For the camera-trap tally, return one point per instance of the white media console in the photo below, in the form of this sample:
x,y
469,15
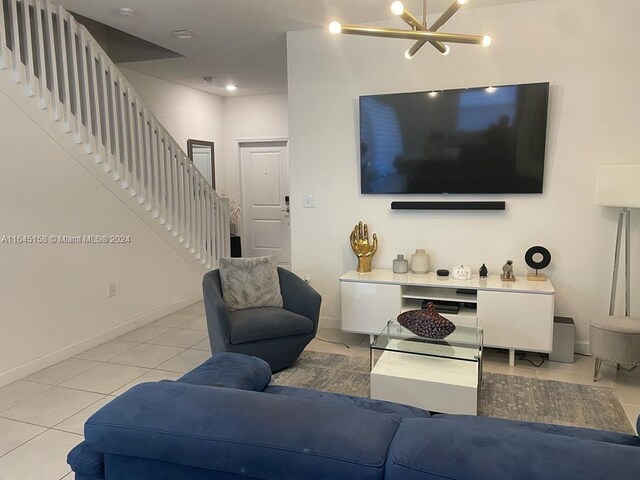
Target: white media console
x,y
514,315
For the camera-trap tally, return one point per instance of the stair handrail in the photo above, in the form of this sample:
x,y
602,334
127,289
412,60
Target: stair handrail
x,y
69,73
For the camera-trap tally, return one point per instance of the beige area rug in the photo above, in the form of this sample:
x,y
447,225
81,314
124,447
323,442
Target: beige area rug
x,y
502,396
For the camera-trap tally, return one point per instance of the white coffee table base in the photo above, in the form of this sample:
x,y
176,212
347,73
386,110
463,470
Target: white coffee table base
x,y
431,383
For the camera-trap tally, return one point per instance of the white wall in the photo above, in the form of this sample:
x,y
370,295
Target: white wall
x,y
251,117
186,113
594,119
54,297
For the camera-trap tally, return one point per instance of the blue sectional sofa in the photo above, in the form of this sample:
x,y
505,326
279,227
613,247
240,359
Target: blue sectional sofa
x,y
223,421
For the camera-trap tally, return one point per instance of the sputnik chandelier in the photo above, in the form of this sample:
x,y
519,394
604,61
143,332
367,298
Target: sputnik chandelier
x,y
420,31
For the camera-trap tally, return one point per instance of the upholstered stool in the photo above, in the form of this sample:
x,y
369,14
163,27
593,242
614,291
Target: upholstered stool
x,y
615,339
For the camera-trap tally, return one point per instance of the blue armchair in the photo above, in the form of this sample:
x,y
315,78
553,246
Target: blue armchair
x,y
277,335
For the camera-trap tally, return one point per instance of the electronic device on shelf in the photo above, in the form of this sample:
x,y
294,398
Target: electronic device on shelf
x,y
473,140
466,291
443,306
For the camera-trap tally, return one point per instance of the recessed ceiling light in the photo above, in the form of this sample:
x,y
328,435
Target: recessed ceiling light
x,y
231,87
183,34
126,12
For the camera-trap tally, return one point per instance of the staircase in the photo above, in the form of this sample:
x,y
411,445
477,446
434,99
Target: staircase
x,y
55,71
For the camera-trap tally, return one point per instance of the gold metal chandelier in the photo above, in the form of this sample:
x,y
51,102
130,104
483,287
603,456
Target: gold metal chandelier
x,y
420,31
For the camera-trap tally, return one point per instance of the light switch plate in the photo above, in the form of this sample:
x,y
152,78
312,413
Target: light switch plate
x,y
309,201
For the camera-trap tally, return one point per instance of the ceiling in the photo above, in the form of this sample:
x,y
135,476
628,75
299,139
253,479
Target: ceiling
x,y
235,41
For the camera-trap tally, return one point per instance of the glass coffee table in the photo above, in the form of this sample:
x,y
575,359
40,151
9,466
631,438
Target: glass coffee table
x,y
436,375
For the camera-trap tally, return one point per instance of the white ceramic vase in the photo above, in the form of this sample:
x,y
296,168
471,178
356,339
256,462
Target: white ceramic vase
x,y
400,265
420,261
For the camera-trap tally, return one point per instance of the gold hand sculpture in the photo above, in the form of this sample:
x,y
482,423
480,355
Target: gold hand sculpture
x,y
361,246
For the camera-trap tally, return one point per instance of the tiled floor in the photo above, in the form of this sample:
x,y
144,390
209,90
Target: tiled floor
x,y
42,416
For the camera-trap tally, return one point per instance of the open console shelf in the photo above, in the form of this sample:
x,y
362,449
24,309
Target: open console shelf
x,y
514,315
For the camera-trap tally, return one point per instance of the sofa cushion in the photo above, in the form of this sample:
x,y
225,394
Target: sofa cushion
x,y
250,282
264,323
231,370
86,462
270,437
388,408
565,431
438,448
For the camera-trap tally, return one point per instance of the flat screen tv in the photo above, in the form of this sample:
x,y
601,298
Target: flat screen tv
x,y
474,140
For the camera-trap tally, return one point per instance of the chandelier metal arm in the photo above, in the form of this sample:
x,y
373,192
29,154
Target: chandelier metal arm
x,y
417,25
425,35
444,18
420,32
446,15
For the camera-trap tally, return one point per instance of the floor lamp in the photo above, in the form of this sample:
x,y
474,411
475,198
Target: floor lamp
x,y
619,186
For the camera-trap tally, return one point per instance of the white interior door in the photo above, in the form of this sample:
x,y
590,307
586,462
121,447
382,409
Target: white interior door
x,y
265,195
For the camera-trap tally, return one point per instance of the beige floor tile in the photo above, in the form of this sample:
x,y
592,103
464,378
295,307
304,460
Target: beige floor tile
x,y
581,364
75,423
107,351
42,458
174,319
147,356
179,337
204,345
625,384
198,323
17,392
145,334
187,360
14,433
317,345
105,378
51,407
62,371
507,370
150,376
581,377
197,308
351,339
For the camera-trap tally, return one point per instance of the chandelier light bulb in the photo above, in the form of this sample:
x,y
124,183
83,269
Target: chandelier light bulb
x,y
447,50
408,55
462,2
335,28
486,41
397,8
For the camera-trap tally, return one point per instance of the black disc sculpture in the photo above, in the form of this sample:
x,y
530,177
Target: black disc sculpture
x,y
540,264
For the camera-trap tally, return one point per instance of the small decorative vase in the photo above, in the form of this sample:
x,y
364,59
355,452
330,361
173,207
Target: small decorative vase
x,y
427,323
420,261
400,265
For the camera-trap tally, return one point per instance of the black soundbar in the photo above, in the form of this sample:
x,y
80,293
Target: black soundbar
x,y
448,205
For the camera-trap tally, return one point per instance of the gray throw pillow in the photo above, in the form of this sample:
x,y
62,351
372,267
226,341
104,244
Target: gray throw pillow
x,y
250,282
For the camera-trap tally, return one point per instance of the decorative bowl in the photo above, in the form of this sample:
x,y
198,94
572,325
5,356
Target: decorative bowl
x,y
427,323
461,273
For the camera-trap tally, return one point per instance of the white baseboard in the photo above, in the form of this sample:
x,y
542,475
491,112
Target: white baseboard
x,y
71,350
583,348
331,323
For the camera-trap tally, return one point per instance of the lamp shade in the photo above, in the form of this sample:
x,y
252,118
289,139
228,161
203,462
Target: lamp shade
x,y
618,185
